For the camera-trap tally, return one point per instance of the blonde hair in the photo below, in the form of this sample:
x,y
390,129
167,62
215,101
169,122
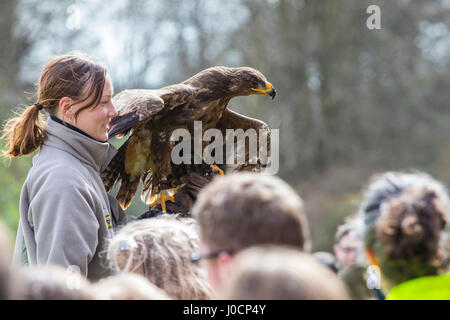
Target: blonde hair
x,y
281,273
73,75
160,248
127,286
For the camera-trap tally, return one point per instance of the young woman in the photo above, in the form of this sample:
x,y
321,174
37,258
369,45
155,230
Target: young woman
x,y
66,214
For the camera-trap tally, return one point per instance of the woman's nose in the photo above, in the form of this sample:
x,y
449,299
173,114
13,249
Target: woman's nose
x,y
113,112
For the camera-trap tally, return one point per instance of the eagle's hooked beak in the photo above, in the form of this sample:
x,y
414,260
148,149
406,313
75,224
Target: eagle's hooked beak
x,y
272,93
269,90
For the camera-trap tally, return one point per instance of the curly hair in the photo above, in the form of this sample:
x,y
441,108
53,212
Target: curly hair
x,y
405,216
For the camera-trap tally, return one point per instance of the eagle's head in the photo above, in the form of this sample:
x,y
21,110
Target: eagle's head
x,y
246,81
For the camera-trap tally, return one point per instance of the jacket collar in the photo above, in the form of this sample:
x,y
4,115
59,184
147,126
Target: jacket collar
x,y
86,149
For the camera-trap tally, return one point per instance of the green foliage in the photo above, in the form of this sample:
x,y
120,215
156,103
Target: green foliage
x,y
12,176
329,198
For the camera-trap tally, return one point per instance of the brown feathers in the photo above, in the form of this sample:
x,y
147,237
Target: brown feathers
x,y
152,115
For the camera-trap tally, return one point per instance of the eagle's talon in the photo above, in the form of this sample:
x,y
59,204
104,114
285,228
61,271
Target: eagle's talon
x,y
215,168
161,199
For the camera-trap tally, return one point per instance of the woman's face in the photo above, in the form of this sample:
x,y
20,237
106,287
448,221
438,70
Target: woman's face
x,y
95,121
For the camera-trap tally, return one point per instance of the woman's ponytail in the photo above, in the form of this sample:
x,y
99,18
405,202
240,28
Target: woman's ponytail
x,y
24,133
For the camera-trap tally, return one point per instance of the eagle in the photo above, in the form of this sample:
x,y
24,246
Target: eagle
x,y
151,116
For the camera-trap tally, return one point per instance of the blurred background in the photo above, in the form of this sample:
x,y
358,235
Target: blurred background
x,y
350,101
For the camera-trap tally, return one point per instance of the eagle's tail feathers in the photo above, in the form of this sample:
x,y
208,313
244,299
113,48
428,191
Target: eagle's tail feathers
x,y
127,191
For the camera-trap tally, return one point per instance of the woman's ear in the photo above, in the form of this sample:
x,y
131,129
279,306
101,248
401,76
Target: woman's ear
x,y
65,108
371,257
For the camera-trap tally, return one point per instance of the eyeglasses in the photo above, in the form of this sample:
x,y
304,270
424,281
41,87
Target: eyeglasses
x,y
348,249
196,257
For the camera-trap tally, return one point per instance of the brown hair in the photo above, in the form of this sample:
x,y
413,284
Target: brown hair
x,y
72,75
405,215
160,249
277,273
240,210
410,226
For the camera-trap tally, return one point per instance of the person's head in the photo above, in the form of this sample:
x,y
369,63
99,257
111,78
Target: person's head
x,y
160,249
127,286
405,215
75,89
240,210
5,262
277,273
50,282
347,243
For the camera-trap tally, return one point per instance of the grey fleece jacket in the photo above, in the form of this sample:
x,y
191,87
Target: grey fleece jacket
x,y
65,211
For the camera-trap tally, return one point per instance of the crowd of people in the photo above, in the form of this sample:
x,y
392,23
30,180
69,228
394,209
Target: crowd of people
x,y
247,236
248,239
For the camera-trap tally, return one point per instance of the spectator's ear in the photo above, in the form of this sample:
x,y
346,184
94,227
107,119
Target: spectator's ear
x,y
335,248
224,258
371,257
224,266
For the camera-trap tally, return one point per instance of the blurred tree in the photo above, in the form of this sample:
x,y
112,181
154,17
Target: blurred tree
x,y
22,25
349,93
349,96
14,47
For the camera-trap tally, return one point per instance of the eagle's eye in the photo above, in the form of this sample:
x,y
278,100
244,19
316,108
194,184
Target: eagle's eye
x,y
254,84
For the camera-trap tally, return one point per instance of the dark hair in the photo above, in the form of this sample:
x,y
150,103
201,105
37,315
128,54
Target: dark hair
x,y
409,226
404,217
72,75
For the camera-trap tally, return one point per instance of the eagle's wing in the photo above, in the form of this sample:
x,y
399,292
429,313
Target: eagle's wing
x,y
133,106
146,153
235,121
